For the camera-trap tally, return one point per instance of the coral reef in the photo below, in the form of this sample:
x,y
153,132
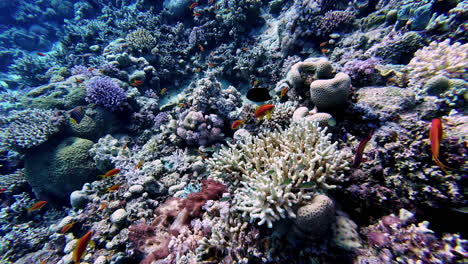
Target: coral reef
x,y
105,92
267,171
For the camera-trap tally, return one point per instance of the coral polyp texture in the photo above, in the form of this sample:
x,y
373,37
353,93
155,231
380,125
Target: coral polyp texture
x,y
268,171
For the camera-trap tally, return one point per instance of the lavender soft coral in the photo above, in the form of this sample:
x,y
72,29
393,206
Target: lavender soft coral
x,y
105,92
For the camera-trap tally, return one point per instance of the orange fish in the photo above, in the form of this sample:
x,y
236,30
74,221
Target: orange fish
x,y
255,83
124,147
435,135
237,124
264,111
201,47
283,92
210,64
103,206
67,227
110,173
196,14
193,5
81,247
2,190
137,83
78,80
202,155
113,188
91,69
41,54
163,91
139,164
323,43
245,49
325,50
182,105
37,206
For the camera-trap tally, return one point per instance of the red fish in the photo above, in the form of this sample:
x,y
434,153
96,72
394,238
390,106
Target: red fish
x,y
211,65
113,188
360,149
201,47
110,173
67,227
41,54
196,14
78,80
237,124
2,190
323,44
325,50
264,111
103,206
37,206
137,83
435,135
91,69
193,5
139,164
81,247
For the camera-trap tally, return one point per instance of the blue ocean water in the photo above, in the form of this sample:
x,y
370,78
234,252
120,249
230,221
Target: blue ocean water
x,y
223,131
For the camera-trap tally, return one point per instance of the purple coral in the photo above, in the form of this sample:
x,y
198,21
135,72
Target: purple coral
x,y
361,71
105,92
195,128
334,20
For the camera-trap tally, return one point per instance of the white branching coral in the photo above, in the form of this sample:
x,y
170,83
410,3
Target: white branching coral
x,y
269,171
443,58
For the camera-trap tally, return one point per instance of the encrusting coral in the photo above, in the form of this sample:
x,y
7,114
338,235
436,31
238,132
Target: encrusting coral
x,y
268,171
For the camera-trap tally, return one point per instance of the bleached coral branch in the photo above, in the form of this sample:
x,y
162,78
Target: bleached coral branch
x,y
269,170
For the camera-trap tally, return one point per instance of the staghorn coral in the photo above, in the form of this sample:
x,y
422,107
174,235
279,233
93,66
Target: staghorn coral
x,y
29,128
267,170
439,58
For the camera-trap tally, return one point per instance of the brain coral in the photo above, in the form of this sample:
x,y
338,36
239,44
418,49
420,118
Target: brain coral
x,y
315,216
54,171
443,58
331,94
266,171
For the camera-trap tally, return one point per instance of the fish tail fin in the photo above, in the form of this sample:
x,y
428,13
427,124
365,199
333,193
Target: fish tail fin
x,y
441,165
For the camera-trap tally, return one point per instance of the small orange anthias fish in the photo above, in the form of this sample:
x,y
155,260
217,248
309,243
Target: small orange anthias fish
x,y
237,124
137,83
435,135
113,188
41,54
110,173
196,14
78,80
283,92
264,111
325,50
37,206
103,206
210,64
193,5
67,227
139,164
81,247
2,190
163,91
323,44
